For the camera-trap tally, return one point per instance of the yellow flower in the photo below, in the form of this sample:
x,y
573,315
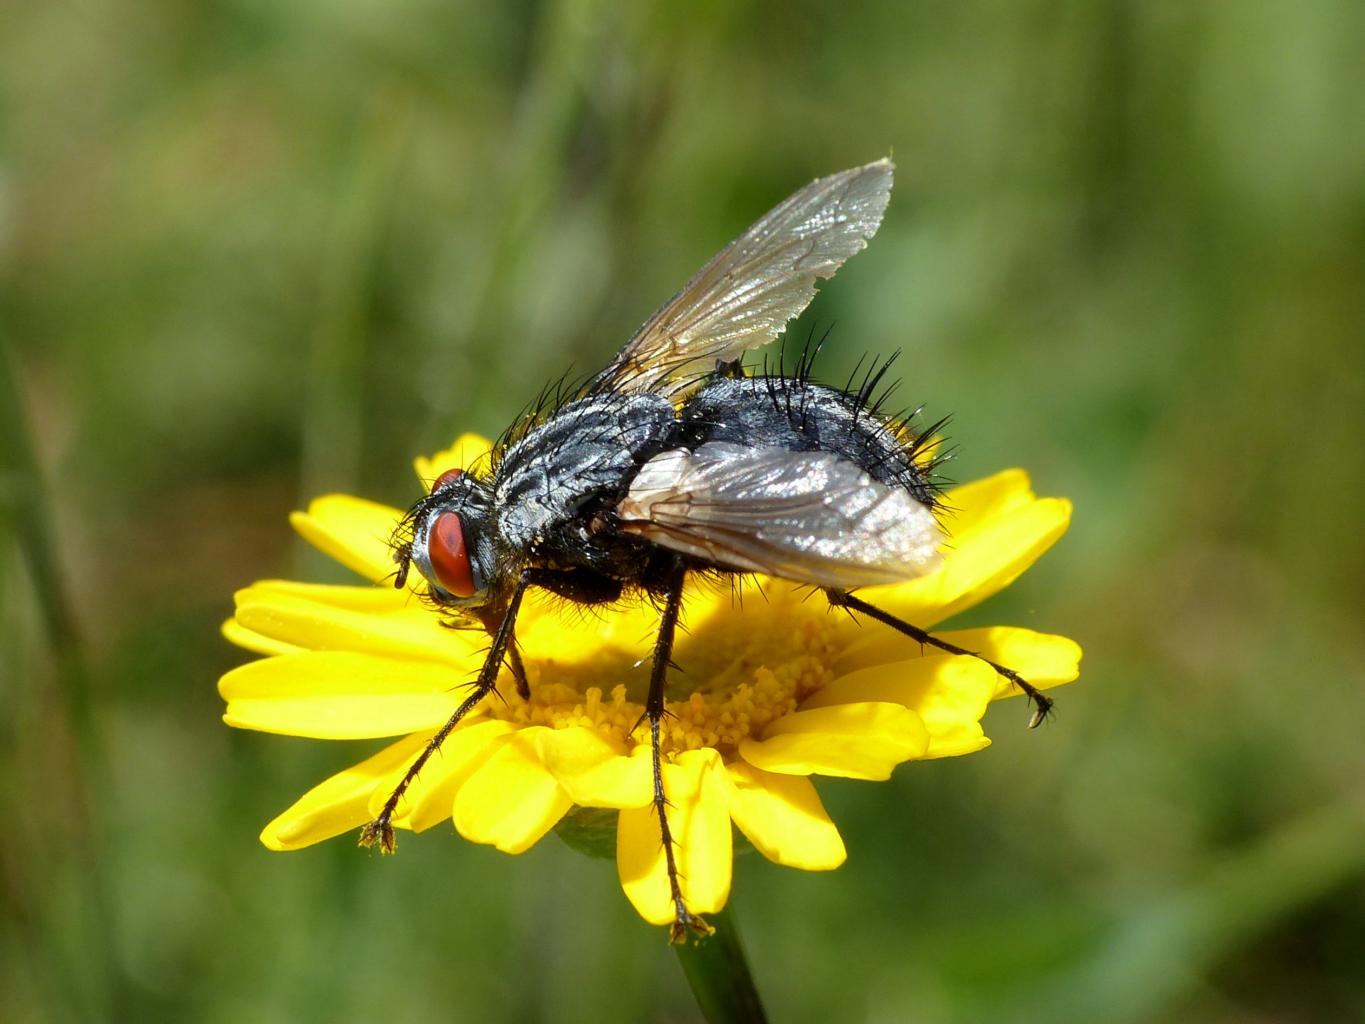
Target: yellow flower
x,y
773,688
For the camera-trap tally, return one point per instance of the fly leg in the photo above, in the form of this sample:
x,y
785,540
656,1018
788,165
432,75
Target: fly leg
x,y
1042,704
380,830
683,919
518,669
491,621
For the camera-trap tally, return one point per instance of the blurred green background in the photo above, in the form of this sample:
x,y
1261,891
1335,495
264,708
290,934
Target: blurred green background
x,y
252,251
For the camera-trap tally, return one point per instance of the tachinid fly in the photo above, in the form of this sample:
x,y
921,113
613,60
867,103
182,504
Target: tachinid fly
x,y
675,459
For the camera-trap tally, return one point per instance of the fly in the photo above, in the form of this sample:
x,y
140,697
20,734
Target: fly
x,y
676,459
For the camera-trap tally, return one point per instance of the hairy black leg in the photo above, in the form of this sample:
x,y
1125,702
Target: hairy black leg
x,y
683,919
1042,704
518,669
380,829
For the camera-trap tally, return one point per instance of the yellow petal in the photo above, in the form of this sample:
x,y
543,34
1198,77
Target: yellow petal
x,y
340,695
512,799
783,817
370,600
430,798
352,530
339,804
971,504
948,692
696,787
593,770
360,597
556,633
855,741
1044,659
409,631
234,632
467,450
979,562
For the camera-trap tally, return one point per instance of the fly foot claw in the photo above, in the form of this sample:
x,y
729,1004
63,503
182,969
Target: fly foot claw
x,y
685,924
1042,707
381,832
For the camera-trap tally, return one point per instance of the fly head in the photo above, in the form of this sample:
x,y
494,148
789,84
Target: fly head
x,y
448,536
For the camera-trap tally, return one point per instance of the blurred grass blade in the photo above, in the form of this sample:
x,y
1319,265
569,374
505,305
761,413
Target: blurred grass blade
x,y
91,984
333,411
1165,953
22,498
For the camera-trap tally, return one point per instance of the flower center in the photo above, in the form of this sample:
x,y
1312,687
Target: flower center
x,y
738,670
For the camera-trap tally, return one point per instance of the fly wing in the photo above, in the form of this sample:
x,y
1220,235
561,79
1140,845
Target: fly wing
x,y
744,297
806,516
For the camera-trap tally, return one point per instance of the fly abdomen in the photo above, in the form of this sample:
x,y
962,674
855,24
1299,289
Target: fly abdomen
x,y
796,414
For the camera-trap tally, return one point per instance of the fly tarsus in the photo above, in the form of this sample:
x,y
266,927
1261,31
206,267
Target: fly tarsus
x,y
688,924
380,830
684,921
1042,703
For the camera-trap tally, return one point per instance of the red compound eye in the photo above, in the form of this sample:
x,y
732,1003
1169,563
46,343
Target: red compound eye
x,y
446,479
448,554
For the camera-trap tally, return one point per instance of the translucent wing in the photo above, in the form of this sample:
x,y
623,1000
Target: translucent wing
x,y
744,297
806,516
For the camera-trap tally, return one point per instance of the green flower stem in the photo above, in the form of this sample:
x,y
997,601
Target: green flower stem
x,y
719,974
